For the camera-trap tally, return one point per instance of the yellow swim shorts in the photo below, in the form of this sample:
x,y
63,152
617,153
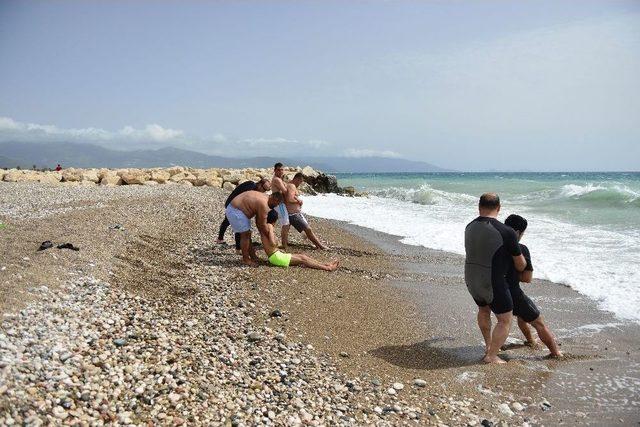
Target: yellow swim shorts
x,y
280,259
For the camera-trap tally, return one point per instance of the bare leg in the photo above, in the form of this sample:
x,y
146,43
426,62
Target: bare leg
x,y
526,331
311,235
285,237
547,337
484,323
247,249
498,337
307,261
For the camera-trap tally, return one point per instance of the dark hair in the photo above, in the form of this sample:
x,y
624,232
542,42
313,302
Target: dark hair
x,y
489,201
516,222
278,195
278,165
262,182
299,175
272,216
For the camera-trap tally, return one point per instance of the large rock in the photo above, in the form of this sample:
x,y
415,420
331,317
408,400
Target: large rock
x,y
111,179
309,172
307,189
233,178
150,183
2,172
134,176
214,182
183,176
15,175
324,183
50,177
228,186
72,175
174,170
90,175
160,176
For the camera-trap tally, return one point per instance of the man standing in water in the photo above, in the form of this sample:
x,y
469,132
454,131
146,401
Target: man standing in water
x,y
491,248
523,307
277,184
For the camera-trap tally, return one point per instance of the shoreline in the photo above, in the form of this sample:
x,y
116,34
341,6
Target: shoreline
x,y
195,320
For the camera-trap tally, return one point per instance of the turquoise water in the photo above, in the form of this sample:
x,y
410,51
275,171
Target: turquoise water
x,y
584,228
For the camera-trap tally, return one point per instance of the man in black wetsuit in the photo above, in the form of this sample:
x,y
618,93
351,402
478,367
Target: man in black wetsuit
x,y
491,248
523,307
262,186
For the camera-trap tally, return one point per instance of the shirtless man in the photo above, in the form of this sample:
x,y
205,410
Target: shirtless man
x,y
294,205
239,213
278,184
278,258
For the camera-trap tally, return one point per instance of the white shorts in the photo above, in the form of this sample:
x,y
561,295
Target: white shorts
x,y
238,220
283,215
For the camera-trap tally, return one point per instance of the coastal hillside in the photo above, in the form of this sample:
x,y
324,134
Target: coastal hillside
x,y
78,155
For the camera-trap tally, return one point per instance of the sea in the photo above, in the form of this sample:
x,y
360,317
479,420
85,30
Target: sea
x,y
584,228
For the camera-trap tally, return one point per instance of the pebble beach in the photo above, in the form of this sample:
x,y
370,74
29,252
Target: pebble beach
x,y
152,323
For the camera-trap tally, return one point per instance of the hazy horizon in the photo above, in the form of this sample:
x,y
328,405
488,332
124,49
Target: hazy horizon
x,y
468,86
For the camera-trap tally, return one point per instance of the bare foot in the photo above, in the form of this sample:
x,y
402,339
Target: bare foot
x,y
333,266
533,344
558,355
494,360
250,262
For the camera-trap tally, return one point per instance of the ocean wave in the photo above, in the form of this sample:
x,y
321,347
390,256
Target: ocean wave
x,y
423,195
599,194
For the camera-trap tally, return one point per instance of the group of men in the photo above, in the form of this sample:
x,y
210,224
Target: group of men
x,y
495,265
248,200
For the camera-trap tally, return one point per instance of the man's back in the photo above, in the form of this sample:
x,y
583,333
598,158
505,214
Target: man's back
x,y
245,186
251,202
489,247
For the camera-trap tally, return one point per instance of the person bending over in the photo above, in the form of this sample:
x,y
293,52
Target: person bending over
x,y
281,259
262,186
491,248
523,307
240,211
294,206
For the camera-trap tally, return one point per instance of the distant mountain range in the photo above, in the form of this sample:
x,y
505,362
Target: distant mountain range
x,y
68,154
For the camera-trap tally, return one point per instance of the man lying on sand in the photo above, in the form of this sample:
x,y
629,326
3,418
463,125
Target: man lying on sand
x,y
523,307
294,205
491,249
239,213
262,186
281,259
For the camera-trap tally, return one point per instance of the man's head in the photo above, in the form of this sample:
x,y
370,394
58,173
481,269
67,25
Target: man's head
x,y
263,185
489,205
272,217
297,179
275,199
516,222
278,170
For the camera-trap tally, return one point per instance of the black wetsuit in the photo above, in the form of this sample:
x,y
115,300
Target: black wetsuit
x,y
490,247
245,186
523,306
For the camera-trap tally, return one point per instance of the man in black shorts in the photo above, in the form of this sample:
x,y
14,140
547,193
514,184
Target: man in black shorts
x,y
523,307
262,186
491,248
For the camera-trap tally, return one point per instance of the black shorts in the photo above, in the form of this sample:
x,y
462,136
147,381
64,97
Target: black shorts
x,y
502,301
298,221
524,307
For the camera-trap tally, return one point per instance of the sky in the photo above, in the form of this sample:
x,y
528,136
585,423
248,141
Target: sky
x,y
466,85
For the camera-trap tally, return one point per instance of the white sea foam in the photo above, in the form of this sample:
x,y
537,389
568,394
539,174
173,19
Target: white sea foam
x,y
601,264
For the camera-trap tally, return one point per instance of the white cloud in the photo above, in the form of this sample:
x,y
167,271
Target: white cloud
x,y
12,130
365,152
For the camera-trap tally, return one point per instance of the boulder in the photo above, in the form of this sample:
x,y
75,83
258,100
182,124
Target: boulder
x,y
160,176
174,170
349,191
186,183
309,172
214,182
102,172
182,176
15,175
324,183
87,183
2,172
233,178
72,175
111,179
90,175
228,186
134,176
307,189
50,177
150,183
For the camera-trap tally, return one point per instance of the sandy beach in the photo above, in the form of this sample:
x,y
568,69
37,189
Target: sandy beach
x,y
151,322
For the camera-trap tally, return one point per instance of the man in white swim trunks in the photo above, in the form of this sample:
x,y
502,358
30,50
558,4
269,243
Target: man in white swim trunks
x,y
278,184
294,207
239,213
